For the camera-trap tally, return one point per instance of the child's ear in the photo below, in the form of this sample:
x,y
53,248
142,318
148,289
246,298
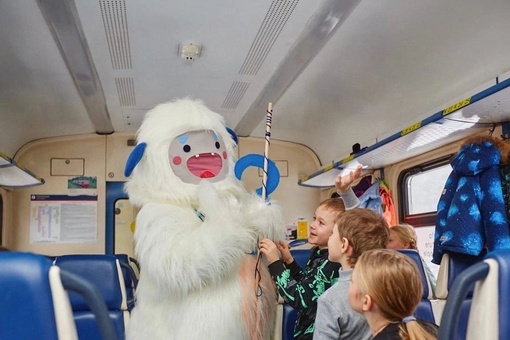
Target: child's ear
x,y
345,244
367,303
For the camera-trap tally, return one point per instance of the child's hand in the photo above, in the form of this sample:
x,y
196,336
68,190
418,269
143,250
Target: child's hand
x,y
343,183
284,249
269,249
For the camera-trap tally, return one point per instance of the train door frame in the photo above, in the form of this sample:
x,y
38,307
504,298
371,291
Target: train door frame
x,y
114,192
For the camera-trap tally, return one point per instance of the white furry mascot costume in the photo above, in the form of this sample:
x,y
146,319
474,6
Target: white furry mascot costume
x,y
195,231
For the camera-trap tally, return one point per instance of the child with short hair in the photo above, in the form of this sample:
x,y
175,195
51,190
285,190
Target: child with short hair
x,y
386,287
355,232
301,287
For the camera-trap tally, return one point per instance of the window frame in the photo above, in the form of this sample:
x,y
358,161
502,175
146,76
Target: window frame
x,y
422,219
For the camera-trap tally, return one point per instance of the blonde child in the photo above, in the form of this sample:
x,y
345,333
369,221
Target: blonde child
x,y
403,236
386,288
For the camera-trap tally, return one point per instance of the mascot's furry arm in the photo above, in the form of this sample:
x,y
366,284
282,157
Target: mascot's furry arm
x,y
181,252
265,217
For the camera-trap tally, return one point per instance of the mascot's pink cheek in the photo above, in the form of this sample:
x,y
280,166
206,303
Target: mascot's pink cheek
x,y
224,155
177,160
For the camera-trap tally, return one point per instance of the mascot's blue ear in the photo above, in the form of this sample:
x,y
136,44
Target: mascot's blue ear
x,y
273,175
233,135
134,158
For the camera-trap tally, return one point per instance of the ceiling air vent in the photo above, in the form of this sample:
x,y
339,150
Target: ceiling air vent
x,y
117,35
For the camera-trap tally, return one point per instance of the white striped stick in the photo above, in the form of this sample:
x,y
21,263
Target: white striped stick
x,y
269,118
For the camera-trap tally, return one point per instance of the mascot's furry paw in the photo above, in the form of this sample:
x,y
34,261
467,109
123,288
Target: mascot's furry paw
x,y
216,206
268,218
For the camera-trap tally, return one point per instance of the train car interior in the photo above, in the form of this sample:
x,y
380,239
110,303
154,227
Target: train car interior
x,y
393,86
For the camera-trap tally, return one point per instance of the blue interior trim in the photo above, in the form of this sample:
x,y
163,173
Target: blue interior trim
x,y
114,192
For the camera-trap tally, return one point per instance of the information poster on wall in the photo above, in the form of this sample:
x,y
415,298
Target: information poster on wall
x,y
63,219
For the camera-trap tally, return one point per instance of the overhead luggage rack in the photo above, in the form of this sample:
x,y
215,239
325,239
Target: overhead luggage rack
x,y
12,175
473,114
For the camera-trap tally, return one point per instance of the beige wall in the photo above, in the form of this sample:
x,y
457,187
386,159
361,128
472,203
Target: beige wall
x,y
293,161
105,157
36,157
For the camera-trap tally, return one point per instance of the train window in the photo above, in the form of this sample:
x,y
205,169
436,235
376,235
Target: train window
x,y
424,189
421,187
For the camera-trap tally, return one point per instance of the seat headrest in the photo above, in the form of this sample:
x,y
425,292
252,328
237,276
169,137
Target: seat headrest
x,y
415,256
301,256
100,270
452,264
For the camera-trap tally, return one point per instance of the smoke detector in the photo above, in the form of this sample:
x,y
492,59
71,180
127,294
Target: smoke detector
x,y
190,52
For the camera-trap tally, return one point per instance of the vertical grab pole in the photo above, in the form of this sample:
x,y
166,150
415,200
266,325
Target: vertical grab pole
x,y
258,289
269,118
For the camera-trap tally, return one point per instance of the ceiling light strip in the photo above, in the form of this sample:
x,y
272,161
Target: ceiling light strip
x,y
65,26
321,27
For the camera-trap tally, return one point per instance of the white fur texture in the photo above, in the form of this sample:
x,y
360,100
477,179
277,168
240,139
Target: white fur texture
x,y
192,282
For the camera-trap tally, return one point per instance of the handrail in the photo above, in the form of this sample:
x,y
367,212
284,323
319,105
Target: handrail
x,y
93,299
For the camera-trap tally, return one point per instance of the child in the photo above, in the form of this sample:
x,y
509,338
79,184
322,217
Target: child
x,y
301,287
356,231
386,288
403,236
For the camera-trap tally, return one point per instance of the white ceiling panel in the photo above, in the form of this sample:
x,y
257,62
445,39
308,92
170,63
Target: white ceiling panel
x,y
37,96
385,65
256,34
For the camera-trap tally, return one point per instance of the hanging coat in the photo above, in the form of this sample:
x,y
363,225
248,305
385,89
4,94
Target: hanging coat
x,y
471,211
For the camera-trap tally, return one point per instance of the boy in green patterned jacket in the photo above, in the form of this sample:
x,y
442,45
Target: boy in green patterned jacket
x,y
302,287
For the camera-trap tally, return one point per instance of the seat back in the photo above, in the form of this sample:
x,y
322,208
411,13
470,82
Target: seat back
x,y
288,322
424,310
29,288
130,279
301,256
452,265
105,273
34,303
489,310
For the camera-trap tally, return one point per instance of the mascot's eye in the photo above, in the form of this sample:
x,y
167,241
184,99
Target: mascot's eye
x,y
186,148
217,144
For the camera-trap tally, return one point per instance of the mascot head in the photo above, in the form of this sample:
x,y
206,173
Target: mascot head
x,y
179,144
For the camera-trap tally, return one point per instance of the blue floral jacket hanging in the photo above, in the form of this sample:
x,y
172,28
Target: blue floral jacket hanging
x,y
471,211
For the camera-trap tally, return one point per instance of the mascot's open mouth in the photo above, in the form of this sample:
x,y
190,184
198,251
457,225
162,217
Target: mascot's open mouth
x,y
205,165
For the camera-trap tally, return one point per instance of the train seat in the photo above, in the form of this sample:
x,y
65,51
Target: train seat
x,y
130,279
424,310
491,293
301,257
452,265
34,303
104,272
